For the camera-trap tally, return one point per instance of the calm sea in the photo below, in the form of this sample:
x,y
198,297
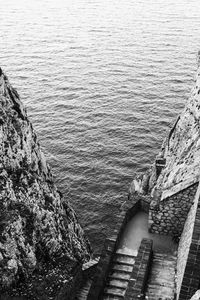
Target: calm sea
x,y
102,81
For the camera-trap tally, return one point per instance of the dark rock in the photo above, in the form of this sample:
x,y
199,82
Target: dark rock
x,y
38,228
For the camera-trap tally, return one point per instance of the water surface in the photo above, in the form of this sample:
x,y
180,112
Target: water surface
x,y
102,81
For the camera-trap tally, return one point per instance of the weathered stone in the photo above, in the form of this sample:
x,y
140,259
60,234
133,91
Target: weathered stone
x,y
173,187
185,244
37,225
196,296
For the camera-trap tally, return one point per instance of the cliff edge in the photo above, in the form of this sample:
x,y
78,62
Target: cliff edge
x,y
171,183
41,240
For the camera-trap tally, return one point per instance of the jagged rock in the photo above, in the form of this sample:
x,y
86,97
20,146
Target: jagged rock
x,y
140,184
37,225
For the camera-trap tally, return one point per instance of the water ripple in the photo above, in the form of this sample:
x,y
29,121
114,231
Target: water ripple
x,y
103,82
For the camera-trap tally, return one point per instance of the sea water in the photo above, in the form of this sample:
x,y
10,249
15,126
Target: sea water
x,y
102,80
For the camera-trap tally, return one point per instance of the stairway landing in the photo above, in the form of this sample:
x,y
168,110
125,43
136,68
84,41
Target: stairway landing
x,y
161,283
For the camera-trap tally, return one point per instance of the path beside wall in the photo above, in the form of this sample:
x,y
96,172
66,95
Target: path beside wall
x,y
189,253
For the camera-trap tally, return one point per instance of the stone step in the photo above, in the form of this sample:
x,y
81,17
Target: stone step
x,y
161,282
83,292
123,268
164,284
112,297
124,259
170,265
162,275
118,283
164,288
128,252
119,275
160,296
114,291
164,258
90,263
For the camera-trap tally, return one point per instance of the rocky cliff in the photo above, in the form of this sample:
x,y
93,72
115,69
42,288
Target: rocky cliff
x,y
171,183
181,149
40,237
171,189
177,165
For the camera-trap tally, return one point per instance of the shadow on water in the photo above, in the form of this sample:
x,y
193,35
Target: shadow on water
x,y
137,229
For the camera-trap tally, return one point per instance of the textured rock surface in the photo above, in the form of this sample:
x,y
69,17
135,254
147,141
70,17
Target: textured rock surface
x,y
181,149
168,216
172,181
185,242
37,225
196,295
177,165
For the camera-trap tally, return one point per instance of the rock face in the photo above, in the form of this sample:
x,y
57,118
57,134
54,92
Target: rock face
x,y
177,165
37,224
181,150
196,295
173,179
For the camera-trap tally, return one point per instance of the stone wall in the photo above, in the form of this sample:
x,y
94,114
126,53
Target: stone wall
x,y
138,280
189,253
168,216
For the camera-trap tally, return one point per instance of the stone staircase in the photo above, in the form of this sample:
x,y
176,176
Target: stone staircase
x,y
119,275
83,292
161,283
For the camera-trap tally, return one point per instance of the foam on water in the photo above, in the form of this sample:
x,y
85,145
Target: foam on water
x,y
102,81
